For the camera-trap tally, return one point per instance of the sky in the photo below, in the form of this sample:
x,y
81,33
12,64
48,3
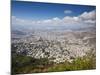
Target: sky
x,y
52,14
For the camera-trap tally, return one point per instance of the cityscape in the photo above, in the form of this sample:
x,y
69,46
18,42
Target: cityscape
x,y
51,37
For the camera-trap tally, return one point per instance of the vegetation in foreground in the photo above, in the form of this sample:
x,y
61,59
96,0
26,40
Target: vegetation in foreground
x,y
24,64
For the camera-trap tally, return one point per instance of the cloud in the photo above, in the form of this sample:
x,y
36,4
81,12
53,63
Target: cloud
x,y
67,11
19,21
88,15
70,20
84,19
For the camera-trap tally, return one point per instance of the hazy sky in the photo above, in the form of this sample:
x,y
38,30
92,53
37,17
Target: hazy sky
x,y
35,13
